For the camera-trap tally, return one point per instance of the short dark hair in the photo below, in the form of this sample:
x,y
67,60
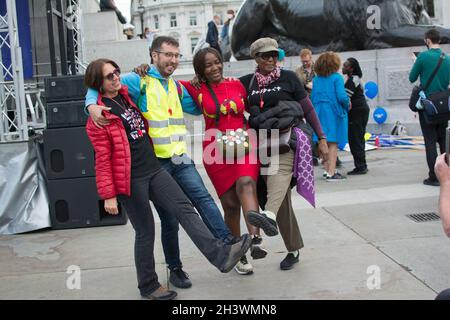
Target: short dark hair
x,y
93,78
433,35
158,42
199,61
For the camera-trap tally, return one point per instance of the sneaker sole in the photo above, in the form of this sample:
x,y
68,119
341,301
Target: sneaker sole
x,y
186,286
290,267
335,180
243,273
258,220
258,254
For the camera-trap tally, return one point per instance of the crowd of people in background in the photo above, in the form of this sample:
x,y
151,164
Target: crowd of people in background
x,y
317,107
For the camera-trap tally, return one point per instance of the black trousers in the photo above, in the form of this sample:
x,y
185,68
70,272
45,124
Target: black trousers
x,y
165,193
432,134
357,123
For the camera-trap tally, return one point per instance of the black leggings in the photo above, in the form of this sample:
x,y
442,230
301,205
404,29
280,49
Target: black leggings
x,y
165,193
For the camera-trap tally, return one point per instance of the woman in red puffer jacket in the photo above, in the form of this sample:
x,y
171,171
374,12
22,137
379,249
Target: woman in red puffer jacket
x,y
128,171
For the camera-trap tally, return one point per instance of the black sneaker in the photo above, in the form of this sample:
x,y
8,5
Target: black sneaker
x,y
256,250
315,162
265,220
237,250
336,177
357,171
338,163
431,182
161,293
289,261
179,278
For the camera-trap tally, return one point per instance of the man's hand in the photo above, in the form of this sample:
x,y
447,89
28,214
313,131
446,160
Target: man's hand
x,y
111,206
323,149
196,82
442,170
95,111
142,69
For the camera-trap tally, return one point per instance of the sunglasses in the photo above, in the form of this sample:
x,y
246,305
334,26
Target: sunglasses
x,y
267,55
110,76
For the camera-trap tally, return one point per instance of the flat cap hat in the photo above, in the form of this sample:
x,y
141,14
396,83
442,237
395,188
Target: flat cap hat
x,y
263,45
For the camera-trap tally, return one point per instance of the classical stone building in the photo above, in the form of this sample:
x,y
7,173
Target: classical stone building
x,y
185,20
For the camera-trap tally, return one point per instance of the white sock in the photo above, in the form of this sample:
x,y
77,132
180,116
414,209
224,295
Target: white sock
x,y
295,253
270,215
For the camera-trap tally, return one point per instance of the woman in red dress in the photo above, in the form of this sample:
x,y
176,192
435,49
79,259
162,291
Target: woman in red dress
x,y
235,180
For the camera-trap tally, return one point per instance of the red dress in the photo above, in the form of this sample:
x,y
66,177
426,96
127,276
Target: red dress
x,y
231,95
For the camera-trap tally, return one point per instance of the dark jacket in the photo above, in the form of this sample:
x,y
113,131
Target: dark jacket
x,y
212,37
287,114
284,115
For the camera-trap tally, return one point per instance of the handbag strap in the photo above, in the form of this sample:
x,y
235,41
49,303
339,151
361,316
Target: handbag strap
x,y
216,101
441,59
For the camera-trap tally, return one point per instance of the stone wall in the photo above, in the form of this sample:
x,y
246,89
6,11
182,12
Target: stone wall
x,y
389,68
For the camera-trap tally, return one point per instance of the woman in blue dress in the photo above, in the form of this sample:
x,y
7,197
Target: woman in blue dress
x,y
332,105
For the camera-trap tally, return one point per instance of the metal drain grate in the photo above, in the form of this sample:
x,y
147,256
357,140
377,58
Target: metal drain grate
x,y
424,217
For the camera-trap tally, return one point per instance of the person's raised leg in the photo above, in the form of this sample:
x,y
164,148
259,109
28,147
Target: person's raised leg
x,y
167,194
188,178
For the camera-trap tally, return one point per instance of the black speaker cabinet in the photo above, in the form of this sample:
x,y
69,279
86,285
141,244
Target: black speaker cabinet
x,y
74,203
63,88
68,153
66,114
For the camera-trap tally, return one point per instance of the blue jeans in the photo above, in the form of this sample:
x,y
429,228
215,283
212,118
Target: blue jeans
x,y
183,170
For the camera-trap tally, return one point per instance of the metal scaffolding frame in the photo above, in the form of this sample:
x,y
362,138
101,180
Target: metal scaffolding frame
x,y
70,39
13,111
21,106
75,17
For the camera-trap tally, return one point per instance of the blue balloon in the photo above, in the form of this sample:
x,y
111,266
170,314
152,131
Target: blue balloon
x,y
371,89
380,115
281,54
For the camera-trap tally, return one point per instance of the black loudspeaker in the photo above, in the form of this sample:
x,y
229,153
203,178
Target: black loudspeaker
x,y
64,88
68,153
66,114
74,203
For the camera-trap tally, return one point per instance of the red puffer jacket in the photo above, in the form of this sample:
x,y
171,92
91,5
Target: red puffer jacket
x,y
112,152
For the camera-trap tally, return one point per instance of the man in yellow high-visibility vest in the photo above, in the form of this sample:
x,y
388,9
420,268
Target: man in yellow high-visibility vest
x,y
162,101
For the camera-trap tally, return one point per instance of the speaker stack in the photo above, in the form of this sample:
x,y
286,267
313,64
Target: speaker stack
x,y
69,159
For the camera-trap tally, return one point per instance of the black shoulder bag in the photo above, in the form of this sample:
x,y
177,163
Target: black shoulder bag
x,y
416,90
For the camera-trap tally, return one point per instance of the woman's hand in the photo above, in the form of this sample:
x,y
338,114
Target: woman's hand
x,y
196,83
111,206
142,70
95,112
323,149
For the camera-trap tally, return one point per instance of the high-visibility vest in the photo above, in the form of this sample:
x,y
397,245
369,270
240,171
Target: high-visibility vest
x,y
165,118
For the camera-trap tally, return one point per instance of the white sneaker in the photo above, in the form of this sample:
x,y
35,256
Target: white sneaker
x,y
243,266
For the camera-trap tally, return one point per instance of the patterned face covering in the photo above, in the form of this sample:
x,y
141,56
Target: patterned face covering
x,y
266,80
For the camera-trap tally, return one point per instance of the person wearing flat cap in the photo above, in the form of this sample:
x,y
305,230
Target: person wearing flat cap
x,y
266,88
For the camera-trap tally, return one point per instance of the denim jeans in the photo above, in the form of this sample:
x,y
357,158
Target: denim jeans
x,y
183,170
165,193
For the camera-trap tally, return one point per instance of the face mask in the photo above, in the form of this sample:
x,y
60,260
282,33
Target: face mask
x,y
230,16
